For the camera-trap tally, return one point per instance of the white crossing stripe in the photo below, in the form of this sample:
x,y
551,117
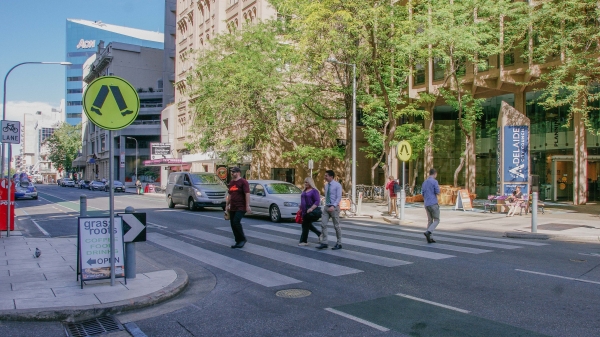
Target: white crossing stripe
x,y
413,242
359,320
434,303
372,245
346,254
247,271
478,237
277,255
558,276
420,235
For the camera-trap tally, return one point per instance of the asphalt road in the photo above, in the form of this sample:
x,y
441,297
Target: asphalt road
x,y
385,282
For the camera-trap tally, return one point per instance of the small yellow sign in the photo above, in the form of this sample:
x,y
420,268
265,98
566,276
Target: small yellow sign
x,y
404,151
111,103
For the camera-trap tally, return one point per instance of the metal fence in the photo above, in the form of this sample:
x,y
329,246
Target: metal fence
x,y
371,192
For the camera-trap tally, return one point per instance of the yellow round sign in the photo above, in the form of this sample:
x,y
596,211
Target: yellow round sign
x,y
111,103
404,151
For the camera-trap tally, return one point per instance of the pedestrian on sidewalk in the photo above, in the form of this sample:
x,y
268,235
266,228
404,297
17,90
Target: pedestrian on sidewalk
x,y
333,196
388,185
138,186
514,201
391,187
238,204
310,209
430,190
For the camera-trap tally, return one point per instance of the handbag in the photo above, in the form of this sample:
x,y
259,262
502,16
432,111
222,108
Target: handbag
x,y
299,217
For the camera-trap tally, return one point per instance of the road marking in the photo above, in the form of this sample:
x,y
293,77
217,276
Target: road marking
x,y
416,243
557,276
420,235
359,320
520,242
372,245
153,224
244,270
278,255
346,254
434,303
35,223
591,254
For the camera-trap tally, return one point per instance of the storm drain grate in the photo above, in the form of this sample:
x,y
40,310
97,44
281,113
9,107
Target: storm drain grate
x,y
93,327
293,293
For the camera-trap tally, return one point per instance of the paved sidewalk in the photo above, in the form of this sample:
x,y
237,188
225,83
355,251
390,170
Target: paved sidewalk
x,y
45,288
559,222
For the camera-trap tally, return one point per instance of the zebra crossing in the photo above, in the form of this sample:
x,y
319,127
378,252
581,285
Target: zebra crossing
x,y
383,247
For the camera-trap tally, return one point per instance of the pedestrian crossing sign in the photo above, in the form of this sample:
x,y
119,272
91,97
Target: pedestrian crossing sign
x,y
111,103
404,151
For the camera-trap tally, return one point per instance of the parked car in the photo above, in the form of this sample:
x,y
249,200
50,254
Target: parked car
x,y
25,189
195,190
83,184
67,182
277,199
97,185
117,185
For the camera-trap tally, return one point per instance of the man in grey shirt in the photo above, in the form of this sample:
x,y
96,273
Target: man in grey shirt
x,y
333,196
430,191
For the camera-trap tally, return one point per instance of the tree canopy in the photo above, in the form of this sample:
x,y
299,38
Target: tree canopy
x,y
64,145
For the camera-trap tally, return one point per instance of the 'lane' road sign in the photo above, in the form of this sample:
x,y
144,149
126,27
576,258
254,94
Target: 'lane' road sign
x,y
11,132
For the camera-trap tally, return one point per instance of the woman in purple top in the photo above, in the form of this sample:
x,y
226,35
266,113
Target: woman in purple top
x,y
310,209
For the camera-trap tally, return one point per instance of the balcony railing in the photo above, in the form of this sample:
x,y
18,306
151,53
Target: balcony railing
x,y
147,122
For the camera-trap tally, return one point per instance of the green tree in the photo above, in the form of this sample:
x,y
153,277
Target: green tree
x,y
64,145
249,91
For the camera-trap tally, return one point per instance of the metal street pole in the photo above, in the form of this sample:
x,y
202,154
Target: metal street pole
x,y
2,152
111,206
136,156
333,60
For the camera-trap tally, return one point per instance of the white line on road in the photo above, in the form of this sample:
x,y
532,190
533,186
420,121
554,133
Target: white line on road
x,y
479,237
434,303
38,226
557,276
359,320
241,269
591,254
153,224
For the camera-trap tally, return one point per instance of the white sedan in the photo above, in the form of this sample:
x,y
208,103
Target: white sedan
x,y
277,199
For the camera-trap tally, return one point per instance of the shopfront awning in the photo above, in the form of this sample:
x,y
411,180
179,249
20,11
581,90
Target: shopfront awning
x,y
163,162
78,162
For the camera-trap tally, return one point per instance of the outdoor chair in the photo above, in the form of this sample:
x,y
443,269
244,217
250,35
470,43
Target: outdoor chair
x,y
490,204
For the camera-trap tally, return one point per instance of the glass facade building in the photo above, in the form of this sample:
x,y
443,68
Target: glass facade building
x,y
83,38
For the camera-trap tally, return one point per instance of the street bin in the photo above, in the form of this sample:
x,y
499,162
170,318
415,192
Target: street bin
x,y
3,202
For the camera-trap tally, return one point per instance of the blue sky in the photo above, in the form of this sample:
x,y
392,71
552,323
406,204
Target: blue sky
x,y
34,30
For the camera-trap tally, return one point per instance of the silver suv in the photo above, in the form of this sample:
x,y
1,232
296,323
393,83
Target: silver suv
x,y
195,190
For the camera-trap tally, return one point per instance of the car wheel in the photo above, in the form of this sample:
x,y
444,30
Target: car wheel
x,y
170,202
191,205
275,213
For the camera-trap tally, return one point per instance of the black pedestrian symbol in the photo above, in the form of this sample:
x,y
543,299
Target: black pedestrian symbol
x,y
101,97
403,148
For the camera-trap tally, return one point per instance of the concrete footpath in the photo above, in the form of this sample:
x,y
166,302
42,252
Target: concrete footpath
x,y
558,222
46,288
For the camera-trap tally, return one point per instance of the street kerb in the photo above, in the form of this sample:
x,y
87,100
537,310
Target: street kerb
x,y
74,314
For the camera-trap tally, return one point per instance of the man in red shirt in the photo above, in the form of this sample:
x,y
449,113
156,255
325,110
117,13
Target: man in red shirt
x,y
238,204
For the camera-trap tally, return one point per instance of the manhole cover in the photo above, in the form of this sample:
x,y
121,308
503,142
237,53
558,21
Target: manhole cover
x,y
293,293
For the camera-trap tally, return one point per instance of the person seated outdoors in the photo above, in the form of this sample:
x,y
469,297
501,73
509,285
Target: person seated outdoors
x,y
514,201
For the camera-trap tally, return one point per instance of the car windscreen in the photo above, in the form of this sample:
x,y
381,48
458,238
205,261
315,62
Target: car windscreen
x,y
282,188
118,183
205,179
24,184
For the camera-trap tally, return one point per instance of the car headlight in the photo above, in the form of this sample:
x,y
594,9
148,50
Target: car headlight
x,y
198,193
290,204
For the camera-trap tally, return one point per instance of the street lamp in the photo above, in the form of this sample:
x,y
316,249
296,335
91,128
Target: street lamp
x,y
9,147
334,60
136,156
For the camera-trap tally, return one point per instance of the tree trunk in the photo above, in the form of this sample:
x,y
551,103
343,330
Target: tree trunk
x,y
458,169
470,163
428,153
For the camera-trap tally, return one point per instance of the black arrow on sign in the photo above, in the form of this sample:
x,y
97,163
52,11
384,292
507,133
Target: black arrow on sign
x,y
91,262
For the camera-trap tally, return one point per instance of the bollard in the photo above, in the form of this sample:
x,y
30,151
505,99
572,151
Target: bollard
x,y
130,264
534,206
82,205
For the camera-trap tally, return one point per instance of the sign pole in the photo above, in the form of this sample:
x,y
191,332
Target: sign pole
x,y
111,202
8,194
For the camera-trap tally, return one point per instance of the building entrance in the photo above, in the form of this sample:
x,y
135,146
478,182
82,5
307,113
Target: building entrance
x,y
561,182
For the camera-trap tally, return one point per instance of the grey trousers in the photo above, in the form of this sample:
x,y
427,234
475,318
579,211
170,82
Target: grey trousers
x,y
335,217
433,217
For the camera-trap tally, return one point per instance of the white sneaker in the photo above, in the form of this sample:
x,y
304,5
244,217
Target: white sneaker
x,y
303,244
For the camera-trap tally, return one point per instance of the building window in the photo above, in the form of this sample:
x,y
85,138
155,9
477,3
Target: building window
x,y
483,65
509,59
419,77
73,103
74,115
102,143
438,69
75,79
283,174
74,91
